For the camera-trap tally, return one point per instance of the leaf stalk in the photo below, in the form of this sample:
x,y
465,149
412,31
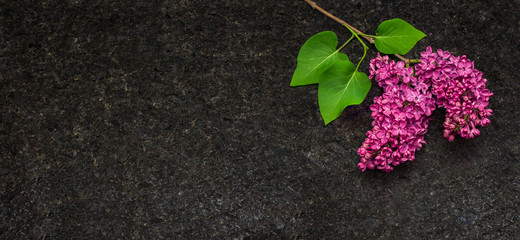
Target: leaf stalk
x,y
369,38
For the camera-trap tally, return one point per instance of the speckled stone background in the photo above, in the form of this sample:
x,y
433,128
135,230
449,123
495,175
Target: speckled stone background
x,y
175,119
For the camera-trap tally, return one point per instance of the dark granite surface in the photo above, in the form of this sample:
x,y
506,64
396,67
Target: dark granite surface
x,y
175,119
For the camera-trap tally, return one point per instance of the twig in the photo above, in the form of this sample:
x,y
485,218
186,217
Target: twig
x,y
369,39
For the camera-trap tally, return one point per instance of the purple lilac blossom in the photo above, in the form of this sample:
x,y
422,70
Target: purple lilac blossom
x,y
401,116
458,87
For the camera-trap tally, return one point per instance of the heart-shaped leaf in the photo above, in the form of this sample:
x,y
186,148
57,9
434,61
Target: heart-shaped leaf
x,y
316,55
341,86
396,36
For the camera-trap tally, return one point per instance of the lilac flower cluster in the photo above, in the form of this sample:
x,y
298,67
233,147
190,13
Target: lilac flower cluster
x,y
401,116
459,88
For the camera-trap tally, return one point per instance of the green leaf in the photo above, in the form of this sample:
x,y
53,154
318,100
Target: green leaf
x,y
341,86
316,55
396,36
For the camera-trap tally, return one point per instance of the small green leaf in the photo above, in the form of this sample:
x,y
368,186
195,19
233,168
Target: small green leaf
x,y
341,86
396,36
316,55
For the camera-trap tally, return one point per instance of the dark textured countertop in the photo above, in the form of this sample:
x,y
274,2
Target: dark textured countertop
x,y
175,119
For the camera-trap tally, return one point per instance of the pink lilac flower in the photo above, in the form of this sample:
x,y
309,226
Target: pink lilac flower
x,y
401,116
458,87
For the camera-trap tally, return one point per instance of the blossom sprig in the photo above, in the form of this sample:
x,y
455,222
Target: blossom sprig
x,y
401,116
458,87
